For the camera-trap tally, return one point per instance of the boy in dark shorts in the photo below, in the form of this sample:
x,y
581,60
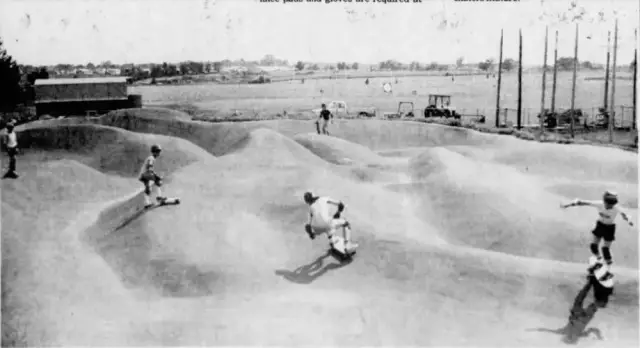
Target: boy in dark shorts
x,y
605,225
324,117
149,176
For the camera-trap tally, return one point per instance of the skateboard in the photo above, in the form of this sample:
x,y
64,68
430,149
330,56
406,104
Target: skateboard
x,y
166,201
341,251
601,271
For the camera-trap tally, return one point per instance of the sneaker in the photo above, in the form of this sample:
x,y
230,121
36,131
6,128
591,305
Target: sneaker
x,y
161,199
148,205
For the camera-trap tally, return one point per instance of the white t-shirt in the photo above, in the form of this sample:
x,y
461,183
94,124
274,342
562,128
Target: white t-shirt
x,y
322,213
606,216
147,166
12,140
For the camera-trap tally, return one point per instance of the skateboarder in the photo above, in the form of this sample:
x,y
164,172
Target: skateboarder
x,y
324,117
149,176
11,143
322,222
605,225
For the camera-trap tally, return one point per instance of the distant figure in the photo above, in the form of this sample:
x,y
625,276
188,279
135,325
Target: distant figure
x,y
366,82
302,81
11,143
148,176
452,78
605,225
324,117
322,222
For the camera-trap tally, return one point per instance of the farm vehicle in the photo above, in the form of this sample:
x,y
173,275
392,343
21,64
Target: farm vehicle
x,y
405,109
340,109
440,106
560,119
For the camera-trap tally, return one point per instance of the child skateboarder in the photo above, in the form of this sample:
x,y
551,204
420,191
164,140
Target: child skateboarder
x,y
11,143
322,222
605,225
149,176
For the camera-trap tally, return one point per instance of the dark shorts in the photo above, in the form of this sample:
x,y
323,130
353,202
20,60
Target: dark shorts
x,y
606,232
148,178
12,151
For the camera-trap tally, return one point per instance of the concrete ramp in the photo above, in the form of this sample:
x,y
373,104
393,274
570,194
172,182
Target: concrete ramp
x,y
460,243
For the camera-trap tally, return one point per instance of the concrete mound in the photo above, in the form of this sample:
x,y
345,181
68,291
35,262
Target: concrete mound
x,y
109,149
587,162
340,151
496,207
459,245
265,147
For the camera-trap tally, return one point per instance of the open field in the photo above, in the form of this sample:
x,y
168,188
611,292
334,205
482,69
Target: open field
x,y
470,94
461,238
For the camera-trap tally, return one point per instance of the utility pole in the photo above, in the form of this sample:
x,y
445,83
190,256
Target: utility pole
x,y
544,81
635,77
612,114
499,82
520,83
573,86
555,76
606,74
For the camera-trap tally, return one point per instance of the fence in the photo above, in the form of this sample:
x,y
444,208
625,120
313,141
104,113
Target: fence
x,y
623,118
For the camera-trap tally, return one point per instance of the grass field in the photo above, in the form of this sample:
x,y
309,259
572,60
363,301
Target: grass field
x,y
470,94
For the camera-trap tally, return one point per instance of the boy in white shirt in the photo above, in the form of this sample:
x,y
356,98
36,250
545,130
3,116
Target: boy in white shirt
x,y
321,221
11,142
605,225
148,176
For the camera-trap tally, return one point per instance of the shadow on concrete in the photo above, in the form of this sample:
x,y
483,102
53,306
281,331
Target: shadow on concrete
x,y
567,336
307,274
132,255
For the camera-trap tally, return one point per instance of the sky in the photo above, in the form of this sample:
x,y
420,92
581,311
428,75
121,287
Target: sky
x,y
49,32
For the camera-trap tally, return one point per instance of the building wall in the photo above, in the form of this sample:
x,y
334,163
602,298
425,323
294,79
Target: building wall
x,y
80,92
80,108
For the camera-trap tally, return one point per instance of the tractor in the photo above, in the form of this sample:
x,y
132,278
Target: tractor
x,y
440,106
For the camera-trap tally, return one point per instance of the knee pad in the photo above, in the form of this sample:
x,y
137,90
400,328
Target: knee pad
x,y
606,252
594,249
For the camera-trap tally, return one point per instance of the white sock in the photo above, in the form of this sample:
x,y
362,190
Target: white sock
x,y
159,192
147,200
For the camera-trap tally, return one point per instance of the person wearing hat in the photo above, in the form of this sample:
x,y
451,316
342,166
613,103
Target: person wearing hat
x,y
11,142
605,227
149,176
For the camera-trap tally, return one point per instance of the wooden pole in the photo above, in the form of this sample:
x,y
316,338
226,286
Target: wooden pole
x,y
520,83
573,86
635,77
612,114
555,76
606,74
544,80
499,82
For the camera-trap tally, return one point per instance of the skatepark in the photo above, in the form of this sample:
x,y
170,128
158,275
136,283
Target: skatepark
x,y
462,241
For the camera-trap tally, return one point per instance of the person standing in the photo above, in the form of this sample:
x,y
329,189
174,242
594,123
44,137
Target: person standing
x,y
324,117
11,142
